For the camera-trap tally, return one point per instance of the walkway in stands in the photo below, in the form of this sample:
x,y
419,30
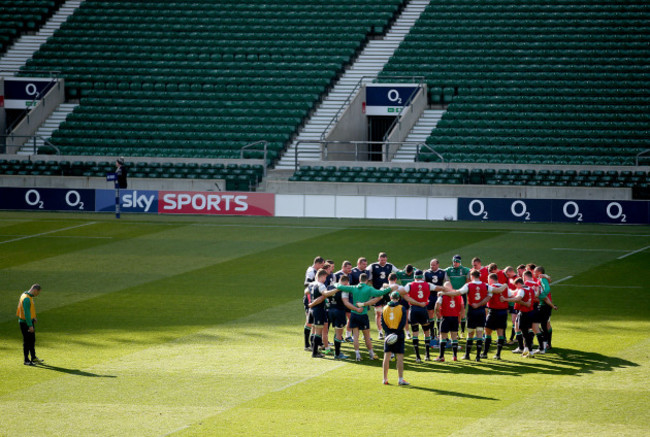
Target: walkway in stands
x,y
419,134
368,65
24,48
50,125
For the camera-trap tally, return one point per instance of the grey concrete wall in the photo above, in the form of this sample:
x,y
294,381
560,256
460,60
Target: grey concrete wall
x,y
424,190
35,118
351,126
407,120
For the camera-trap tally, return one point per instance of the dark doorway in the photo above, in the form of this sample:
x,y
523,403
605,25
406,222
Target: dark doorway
x,y
377,128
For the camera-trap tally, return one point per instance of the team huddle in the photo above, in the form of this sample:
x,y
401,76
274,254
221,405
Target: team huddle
x,y
439,304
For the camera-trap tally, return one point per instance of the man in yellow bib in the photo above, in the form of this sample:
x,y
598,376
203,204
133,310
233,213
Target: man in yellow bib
x,y
27,318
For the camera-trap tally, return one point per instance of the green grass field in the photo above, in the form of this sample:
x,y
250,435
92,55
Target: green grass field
x,y
187,326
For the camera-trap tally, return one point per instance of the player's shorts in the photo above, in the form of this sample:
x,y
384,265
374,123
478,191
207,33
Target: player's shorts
x,y
432,303
305,302
525,321
337,318
310,316
511,308
320,315
449,324
397,347
359,321
419,316
543,314
496,319
464,296
534,315
476,318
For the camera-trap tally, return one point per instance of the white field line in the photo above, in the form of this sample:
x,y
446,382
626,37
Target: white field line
x,y
589,250
563,279
46,233
633,252
62,236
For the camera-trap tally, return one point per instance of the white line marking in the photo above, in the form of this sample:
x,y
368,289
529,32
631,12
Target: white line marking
x,y
62,236
563,279
632,253
600,286
46,233
589,250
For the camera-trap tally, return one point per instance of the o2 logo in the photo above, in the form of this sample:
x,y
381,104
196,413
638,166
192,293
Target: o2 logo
x,y
72,199
613,210
518,209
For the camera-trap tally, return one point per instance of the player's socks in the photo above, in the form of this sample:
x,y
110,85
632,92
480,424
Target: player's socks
x,y
501,341
337,346
487,343
307,333
479,347
427,347
454,347
314,347
529,340
468,347
416,346
463,323
540,340
520,340
443,346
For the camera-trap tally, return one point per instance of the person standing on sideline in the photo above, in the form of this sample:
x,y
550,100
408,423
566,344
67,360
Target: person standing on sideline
x,y
27,319
393,320
120,173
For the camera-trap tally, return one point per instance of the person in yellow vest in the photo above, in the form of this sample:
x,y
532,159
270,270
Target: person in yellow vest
x,y
27,318
393,320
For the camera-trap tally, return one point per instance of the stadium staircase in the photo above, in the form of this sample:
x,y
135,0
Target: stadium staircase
x,y
418,134
369,63
25,47
52,123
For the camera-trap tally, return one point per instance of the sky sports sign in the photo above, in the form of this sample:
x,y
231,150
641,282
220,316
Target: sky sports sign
x,y
138,201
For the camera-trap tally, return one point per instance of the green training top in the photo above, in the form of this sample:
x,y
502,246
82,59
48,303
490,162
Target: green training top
x,y
546,289
457,276
362,293
403,278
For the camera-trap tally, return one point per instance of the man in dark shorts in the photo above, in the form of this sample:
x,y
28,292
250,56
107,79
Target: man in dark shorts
x,y
437,277
378,274
449,309
310,276
318,308
393,321
337,318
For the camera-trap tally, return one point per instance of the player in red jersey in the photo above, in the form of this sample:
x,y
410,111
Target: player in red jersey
x,y
419,291
449,308
523,299
530,282
478,294
484,271
497,317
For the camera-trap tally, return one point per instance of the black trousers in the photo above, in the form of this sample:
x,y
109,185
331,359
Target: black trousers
x,y
29,341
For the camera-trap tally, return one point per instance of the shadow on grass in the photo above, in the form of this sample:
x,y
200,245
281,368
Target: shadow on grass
x,y
73,371
559,361
451,393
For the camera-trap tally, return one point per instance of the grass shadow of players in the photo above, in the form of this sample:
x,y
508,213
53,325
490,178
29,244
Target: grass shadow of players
x,y
77,372
452,393
559,361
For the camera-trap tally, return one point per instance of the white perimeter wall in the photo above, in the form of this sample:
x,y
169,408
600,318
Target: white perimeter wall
x,y
378,207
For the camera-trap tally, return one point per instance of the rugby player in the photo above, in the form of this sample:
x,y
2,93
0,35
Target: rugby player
x,y
417,294
362,265
449,308
545,307
477,265
459,276
523,299
436,276
393,321
497,317
478,294
378,274
336,317
310,276
318,308
359,321
405,277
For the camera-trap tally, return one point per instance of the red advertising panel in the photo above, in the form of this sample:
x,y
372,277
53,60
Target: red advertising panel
x,y
217,203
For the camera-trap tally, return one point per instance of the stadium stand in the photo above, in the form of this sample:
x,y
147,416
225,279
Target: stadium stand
x,y
18,17
201,78
550,82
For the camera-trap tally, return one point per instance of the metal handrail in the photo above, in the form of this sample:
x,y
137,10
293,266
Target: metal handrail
x,y
417,152
324,148
266,145
636,162
407,104
344,105
34,138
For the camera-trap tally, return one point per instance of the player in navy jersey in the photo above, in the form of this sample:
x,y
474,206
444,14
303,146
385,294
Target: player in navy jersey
x,y
337,318
378,274
310,276
318,308
436,276
329,284
355,273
